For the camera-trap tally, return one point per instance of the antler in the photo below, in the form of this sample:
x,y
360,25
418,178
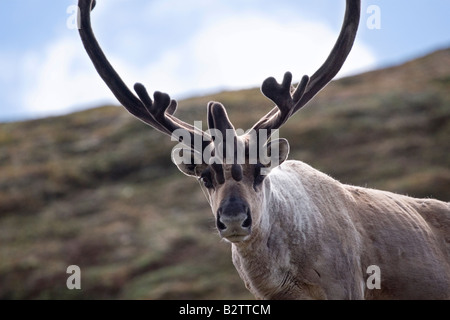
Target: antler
x,y
286,103
159,113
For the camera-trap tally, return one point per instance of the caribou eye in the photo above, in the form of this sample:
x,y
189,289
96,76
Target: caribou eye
x,y
257,176
205,177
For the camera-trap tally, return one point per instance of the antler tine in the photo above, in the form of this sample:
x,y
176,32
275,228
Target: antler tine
x,y
163,109
159,108
280,94
284,100
159,113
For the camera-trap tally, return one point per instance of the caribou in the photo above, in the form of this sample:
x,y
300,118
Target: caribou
x,y
295,232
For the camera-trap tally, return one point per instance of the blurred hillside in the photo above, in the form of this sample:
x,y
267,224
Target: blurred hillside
x,y
97,188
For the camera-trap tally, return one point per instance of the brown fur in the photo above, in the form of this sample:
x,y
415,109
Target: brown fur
x,y
315,241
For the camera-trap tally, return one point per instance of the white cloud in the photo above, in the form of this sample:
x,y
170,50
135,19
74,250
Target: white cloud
x,y
8,67
243,51
61,78
225,53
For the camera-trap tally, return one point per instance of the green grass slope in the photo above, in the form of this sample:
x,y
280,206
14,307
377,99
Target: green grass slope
x,y
97,188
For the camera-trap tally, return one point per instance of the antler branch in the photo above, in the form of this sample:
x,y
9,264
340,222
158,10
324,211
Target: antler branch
x,y
286,103
159,113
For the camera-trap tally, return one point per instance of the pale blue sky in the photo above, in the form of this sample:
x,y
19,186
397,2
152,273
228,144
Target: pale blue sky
x,y
189,47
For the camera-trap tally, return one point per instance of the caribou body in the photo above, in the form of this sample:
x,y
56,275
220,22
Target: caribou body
x,y
295,232
316,238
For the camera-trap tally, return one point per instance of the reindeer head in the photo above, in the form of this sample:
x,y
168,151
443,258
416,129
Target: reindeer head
x,y
232,167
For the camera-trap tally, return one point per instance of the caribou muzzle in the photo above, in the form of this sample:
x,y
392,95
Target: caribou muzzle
x,y
234,220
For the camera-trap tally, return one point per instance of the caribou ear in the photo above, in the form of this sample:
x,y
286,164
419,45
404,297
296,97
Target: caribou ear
x,y
277,152
188,161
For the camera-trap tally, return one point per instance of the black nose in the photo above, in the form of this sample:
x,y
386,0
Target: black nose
x,y
242,219
234,219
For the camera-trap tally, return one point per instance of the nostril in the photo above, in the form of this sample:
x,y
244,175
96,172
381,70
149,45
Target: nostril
x,y
220,225
248,221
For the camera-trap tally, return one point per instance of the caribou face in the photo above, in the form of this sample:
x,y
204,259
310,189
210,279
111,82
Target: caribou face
x,y
233,203
235,190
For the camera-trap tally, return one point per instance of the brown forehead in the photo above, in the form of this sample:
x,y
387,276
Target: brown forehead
x,y
233,188
242,166
248,170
